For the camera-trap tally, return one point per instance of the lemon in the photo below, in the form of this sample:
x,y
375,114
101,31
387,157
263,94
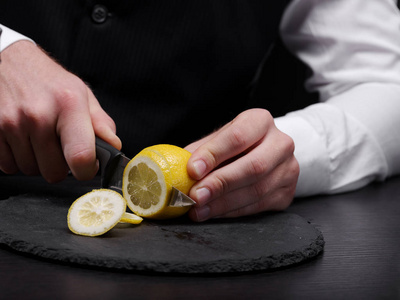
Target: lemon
x,y
149,177
96,212
131,218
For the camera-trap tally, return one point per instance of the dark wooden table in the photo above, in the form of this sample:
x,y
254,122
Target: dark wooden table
x,y
361,261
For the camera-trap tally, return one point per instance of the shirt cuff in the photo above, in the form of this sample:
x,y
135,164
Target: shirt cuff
x,y
9,36
311,154
376,106
336,150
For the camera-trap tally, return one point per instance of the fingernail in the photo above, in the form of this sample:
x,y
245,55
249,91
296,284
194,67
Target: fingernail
x,y
199,168
202,213
203,195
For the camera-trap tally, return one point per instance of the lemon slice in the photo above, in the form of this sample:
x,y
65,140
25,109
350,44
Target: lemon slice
x,y
149,177
131,218
96,212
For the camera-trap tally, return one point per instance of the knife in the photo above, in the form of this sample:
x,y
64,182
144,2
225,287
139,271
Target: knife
x,y
112,166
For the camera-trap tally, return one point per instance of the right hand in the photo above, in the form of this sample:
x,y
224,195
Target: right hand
x,y
48,117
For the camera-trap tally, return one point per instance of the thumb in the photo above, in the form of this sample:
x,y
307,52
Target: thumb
x,y
103,125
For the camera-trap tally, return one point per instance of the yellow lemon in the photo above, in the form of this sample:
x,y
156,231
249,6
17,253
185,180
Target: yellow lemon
x,y
149,177
96,212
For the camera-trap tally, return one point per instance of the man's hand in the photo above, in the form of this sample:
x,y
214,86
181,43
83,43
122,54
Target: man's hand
x,y
48,117
244,168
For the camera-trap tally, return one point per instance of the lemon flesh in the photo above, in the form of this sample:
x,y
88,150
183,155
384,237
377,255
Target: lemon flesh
x,y
149,177
131,218
96,212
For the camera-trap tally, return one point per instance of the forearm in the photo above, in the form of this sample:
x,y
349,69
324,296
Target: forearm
x,y
351,138
342,145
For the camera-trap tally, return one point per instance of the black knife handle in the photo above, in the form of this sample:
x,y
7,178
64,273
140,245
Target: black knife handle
x,y
108,157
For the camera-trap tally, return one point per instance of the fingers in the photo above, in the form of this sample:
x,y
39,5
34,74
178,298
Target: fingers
x,y
275,192
246,170
18,153
193,146
258,156
30,139
23,154
49,156
104,127
7,162
48,118
231,140
74,127
226,208
77,133
277,201
52,139
248,166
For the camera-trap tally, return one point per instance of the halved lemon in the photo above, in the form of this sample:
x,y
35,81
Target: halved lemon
x,y
96,212
149,177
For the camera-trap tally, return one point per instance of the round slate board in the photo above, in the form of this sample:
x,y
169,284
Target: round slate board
x,y
37,224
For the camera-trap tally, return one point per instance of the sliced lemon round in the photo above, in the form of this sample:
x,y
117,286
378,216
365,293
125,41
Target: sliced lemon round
x,y
131,218
149,177
96,212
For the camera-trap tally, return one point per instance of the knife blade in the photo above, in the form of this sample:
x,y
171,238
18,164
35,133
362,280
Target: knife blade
x,y
112,166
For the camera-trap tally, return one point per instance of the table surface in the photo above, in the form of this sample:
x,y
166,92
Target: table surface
x,y
361,260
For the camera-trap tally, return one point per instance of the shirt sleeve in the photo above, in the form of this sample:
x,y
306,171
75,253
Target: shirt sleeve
x,y
9,36
352,136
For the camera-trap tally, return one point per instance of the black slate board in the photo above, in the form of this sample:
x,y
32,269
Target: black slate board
x,y
37,224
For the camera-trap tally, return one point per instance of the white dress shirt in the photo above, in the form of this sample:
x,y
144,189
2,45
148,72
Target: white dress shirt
x,y
9,36
352,136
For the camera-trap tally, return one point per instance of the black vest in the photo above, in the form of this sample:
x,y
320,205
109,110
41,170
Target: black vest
x,y
168,71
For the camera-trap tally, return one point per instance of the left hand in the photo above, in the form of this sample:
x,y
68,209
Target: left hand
x,y
244,168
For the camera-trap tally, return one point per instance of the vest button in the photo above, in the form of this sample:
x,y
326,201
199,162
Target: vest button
x,y
99,14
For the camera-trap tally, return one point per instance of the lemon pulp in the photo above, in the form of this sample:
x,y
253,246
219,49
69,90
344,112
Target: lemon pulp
x,y
131,218
149,177
96,212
